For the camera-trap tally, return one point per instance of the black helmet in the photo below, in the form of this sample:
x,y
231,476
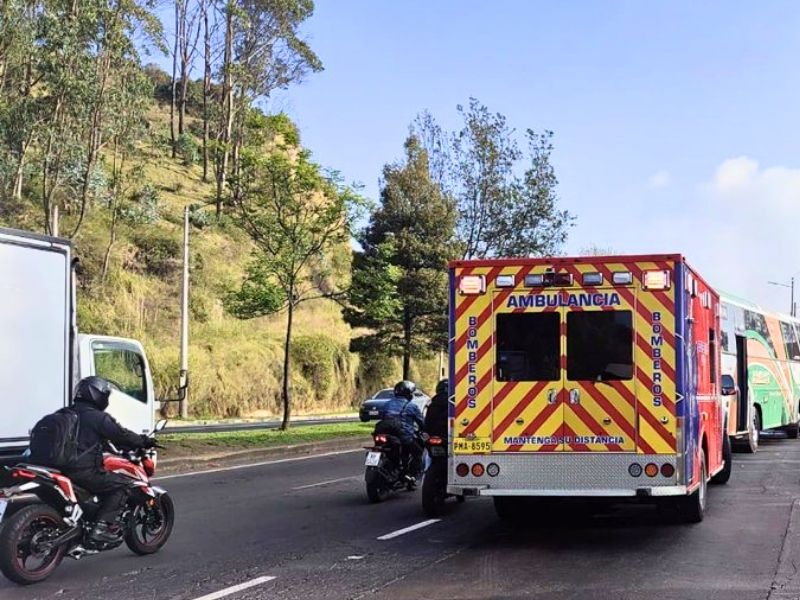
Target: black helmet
x,y
95,391
405,389
442,387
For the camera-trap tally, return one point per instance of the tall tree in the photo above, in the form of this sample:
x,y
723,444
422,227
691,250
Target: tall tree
x,y
297,216
264,51
399,287
187,33
506,196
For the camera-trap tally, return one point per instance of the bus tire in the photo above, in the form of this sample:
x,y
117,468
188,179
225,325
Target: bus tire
x,y
727,458
693,506
753,433
793,430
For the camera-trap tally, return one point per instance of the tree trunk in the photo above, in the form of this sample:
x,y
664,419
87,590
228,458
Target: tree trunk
x,y
206,86
406,346
287,348
174,82
227,107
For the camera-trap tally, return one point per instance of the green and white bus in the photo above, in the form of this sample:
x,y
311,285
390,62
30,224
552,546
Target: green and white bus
x,y
760,371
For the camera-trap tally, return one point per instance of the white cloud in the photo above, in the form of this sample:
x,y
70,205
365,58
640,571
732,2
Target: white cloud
x,y
744,229
659,180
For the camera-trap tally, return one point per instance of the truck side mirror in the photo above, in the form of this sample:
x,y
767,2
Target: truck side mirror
x,y
160,425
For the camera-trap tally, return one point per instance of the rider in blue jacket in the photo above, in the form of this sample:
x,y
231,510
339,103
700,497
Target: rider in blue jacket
x,y
410,420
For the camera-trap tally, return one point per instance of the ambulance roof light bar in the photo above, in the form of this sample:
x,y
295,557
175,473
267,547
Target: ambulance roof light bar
x,y
504,281
593,279
622,277
548,278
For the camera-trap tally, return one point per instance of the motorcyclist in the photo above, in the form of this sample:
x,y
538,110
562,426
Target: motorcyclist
x,y
410,421
96,427
436,415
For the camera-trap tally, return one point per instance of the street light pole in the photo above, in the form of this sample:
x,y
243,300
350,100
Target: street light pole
x,y
790,285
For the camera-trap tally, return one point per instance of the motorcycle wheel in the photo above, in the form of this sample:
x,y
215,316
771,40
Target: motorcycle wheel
x,y
434,492
21,558
149,527
376,487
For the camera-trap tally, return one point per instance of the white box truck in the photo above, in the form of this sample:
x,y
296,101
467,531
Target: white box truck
x,y
42,355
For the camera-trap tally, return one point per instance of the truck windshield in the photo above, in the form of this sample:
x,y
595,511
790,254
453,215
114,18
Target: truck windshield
x,y
528,347
600,345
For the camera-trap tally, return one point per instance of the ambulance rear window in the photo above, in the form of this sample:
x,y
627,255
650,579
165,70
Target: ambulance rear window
x,y
600,345
528,347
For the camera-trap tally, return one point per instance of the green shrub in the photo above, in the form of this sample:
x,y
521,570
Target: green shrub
x,y
188,149
144,206
157,253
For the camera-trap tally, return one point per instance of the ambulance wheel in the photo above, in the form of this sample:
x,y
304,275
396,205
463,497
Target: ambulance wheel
x,y
727,457
693,507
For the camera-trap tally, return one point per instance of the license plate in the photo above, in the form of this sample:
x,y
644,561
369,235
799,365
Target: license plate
x,y
373,459
476,446
3,505
437,451
373,412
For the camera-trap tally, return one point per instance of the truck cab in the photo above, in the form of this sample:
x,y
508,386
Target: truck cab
x,y
124,363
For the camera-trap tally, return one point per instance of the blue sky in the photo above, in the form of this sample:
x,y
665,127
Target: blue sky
x,y
676,123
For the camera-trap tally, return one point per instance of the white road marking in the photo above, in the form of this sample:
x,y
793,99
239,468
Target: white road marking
x,y
321,483
406,530
355,557
236,588
258,464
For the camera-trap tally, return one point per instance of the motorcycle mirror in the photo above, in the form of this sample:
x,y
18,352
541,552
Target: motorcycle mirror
x,y
160,425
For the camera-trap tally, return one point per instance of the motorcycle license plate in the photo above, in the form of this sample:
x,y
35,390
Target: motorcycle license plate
x,y
3,505
373,459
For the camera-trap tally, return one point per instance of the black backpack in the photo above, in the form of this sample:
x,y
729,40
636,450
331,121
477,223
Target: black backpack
x,y
54,439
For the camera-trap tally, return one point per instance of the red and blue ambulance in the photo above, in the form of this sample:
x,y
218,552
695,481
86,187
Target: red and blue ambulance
x,y
585,377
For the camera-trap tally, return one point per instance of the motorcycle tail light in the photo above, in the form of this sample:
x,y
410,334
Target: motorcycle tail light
x,y
23,473
435,441
380,438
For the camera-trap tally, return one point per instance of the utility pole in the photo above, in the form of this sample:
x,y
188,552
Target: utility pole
x,y
185,316
790,285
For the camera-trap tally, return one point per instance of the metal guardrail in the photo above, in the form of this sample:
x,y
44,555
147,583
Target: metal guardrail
x,y
226,427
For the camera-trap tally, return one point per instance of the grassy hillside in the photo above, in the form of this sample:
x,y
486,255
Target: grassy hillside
x,y
234,365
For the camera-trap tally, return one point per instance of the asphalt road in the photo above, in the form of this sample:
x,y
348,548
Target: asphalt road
x,y
306,523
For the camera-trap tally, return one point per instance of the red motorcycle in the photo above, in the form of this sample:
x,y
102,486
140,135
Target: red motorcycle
x,y
35,538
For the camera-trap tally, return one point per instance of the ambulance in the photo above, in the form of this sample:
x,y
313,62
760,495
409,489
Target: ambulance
x,y
585,377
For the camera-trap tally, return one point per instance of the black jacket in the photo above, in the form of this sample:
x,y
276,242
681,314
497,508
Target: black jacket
x,y
436,417
97,427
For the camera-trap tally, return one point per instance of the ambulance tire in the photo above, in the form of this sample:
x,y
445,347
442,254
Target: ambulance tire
x,y
727,457
693,507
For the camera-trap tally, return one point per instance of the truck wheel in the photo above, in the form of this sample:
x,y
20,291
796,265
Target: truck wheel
x,y
727,457
434,491
693,507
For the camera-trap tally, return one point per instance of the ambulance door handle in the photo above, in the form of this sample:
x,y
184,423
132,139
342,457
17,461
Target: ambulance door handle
x,y
574,396
552,397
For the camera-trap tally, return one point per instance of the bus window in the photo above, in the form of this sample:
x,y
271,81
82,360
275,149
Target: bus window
x,y
757,323
790,341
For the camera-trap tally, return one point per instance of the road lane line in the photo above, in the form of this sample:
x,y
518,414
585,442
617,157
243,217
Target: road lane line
x,y
406,530
258,464
237,588
321,483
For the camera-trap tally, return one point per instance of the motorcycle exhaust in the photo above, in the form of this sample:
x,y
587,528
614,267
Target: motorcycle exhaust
x,y
66,537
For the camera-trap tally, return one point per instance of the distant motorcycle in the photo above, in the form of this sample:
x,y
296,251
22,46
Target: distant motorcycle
x,y
386,469
35,539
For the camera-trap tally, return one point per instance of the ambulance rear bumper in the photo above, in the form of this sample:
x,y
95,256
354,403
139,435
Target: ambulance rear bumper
x,y
567,474
643,492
